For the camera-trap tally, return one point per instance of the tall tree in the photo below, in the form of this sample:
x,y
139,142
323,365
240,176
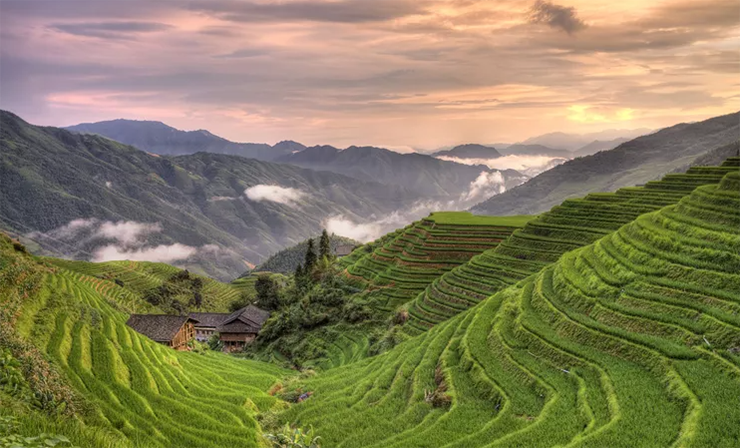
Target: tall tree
x,y
310,262
325,245
268,296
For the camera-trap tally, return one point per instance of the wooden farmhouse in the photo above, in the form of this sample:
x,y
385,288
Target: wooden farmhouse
x,y
343,250
235,330
173,331
241,327
207,324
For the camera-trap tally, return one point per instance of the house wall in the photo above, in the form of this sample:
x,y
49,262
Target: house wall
x,y
185,335
236,341
202,334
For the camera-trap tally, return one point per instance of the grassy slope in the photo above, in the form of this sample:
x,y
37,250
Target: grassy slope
x,y
631,341
573,224
140,277
142,391
403,263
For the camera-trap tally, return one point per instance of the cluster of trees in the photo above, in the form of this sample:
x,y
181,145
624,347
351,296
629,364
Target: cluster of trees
x,y
287,260
314,263
178,294
317,297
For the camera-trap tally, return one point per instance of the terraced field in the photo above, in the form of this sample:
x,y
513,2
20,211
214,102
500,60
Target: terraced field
x,y
139,277
542,241
405,262
630,341
146,392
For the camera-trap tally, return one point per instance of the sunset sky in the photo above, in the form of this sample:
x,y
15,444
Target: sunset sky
x,y
397,73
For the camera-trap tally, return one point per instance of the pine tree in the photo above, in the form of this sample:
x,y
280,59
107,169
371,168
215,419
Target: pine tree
x,y
299,271
325,246
310,262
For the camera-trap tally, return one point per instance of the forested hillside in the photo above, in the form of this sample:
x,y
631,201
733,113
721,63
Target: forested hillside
x,y
73,194
426,175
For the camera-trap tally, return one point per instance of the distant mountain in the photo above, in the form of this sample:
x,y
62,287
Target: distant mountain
x,y
158,138
634,162
423,174
573,142
470,151
71,193
599,145
535,150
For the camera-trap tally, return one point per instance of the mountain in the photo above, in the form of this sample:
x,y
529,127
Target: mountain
x,y
599,145
470,151
87,197
573,142
635,162
535,150
158,138
423,174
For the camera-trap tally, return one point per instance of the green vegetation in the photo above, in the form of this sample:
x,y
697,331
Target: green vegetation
x,y
611,320
467,218
294,438
149,286
632,340
287,260
125,389
398,267
573,224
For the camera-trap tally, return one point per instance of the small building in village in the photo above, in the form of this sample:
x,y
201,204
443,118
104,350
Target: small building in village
x,y
241,327
343,250
207,324
172,331
235,329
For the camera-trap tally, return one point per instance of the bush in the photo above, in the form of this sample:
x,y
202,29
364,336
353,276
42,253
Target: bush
x,y
10,439
294,438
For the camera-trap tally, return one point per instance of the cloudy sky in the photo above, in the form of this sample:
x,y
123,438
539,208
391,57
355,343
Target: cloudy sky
x,y
421,73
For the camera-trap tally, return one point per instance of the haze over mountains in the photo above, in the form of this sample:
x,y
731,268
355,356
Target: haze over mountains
x,y
89,197
632,163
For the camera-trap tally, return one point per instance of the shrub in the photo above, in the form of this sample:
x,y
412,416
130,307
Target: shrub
x,y
10,439
294,438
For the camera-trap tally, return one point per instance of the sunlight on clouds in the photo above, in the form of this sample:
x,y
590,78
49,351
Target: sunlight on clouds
x,y
587,114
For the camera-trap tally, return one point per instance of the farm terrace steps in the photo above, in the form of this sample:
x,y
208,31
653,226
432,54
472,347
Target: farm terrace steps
x,y
140,277
150,394
406,261
632,340
543,240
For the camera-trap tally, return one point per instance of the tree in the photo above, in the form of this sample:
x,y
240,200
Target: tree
x,y
325,246
310,262
268,296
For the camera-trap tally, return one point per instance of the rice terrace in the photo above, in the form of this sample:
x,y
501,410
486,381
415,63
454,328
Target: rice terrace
x,y
369,224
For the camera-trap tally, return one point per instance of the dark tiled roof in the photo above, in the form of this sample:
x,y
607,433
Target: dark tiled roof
x,y
158,327
344,249
246,320
209,319
238,327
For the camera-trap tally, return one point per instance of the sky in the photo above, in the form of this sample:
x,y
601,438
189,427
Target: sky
x,y
393,73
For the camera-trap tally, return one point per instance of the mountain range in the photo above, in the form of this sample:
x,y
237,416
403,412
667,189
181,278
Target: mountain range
x,y
423,174
632,163
86,196
159,138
